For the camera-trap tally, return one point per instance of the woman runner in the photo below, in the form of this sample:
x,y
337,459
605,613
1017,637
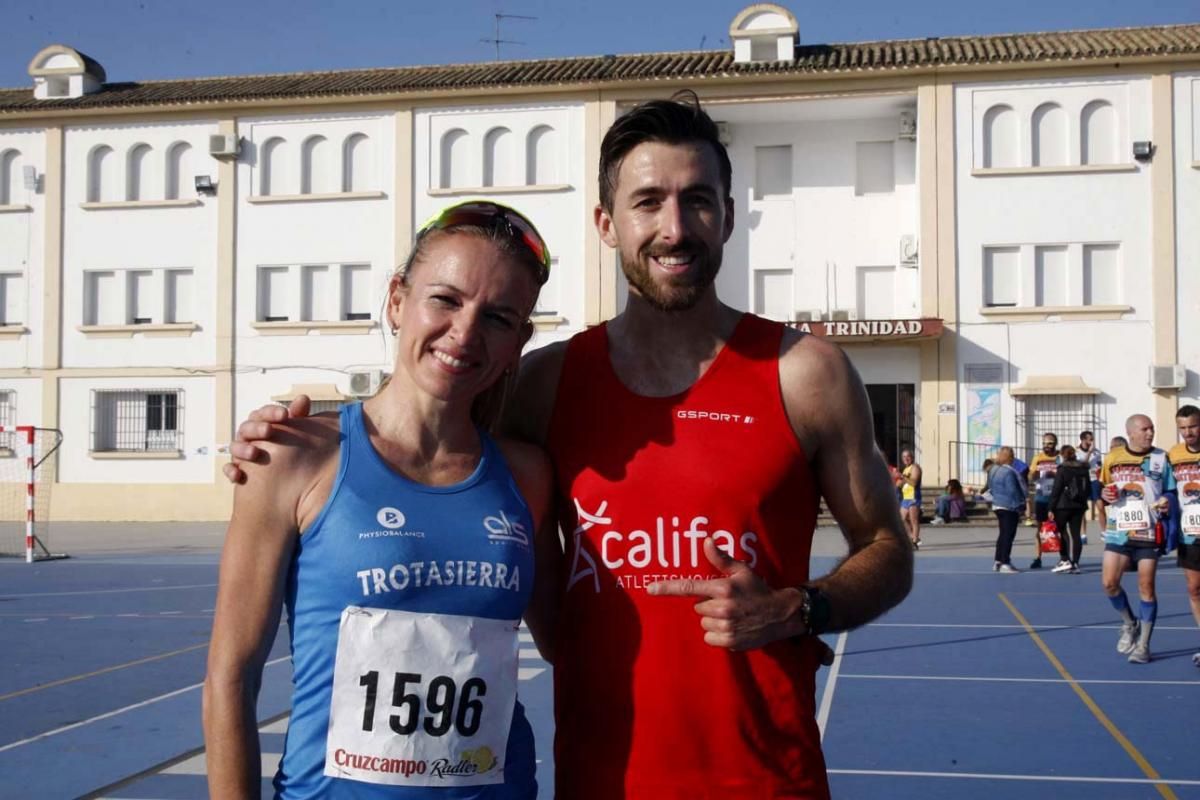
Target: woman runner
x,y
401,539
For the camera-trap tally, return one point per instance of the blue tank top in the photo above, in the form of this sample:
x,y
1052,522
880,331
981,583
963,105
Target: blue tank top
x,y
384,541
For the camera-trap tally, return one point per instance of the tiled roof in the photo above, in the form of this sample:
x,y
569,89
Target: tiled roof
x,y
959,51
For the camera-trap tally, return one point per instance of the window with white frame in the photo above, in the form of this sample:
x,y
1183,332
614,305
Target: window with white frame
x,y
137,420
137,296
1101,274
8,418
314,293
1001,276
12,298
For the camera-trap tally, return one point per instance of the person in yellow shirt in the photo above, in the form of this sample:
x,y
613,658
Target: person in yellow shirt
x,y
1042,468
1136,479
1185,464
909,484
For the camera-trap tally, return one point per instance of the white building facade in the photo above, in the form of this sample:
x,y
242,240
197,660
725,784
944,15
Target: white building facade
x,y
1003,236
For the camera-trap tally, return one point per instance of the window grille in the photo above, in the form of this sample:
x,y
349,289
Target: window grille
x,y
8,418
139,421
1065,415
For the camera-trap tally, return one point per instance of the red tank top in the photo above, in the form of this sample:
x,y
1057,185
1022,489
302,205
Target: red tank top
x,y
644,708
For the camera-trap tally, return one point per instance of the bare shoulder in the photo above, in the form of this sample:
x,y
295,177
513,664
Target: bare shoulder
x,y
527,415
822,391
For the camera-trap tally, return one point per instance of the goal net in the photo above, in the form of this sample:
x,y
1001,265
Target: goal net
x,y
28,461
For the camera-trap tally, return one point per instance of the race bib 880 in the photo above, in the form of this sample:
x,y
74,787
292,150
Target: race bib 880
x,y
421,699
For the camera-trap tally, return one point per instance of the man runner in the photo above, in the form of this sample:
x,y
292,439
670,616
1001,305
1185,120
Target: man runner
x,y
1136,479
691,443
1185,463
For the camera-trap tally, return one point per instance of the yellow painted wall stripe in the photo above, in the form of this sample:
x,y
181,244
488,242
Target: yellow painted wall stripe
x,y
1133,752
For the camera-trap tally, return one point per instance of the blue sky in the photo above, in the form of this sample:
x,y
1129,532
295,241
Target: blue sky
x,y
151,39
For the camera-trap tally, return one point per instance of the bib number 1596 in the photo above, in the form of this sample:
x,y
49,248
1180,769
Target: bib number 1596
x,y
436,708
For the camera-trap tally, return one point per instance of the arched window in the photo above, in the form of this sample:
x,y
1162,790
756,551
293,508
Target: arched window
x,y
274,175
1001,142
179,170
356,163
455,159
541,163
1098,130
1050,136
10,176
499,158
102,175
137,165
316,171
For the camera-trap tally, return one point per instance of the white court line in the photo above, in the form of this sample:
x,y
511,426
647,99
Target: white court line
x,y
830,682
1095,626
1001,777
1015,680
6,595
530,652
115,712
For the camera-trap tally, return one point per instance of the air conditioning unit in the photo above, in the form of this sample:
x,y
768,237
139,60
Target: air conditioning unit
x,y
843,315
809,315
908,250
1168,376
365,382
222,145
908,125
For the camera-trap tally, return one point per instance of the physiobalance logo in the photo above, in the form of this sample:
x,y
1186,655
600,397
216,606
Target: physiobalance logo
x,y
391,522
390,517
667,548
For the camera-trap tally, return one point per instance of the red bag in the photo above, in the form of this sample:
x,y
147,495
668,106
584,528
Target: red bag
x,y
1048,535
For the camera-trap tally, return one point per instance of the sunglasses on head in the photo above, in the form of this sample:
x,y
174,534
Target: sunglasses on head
x,y
494,216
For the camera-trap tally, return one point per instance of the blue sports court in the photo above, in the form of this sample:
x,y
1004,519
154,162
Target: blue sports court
x,y
980,685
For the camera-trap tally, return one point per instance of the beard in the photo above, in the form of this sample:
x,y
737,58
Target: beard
x,y
675,292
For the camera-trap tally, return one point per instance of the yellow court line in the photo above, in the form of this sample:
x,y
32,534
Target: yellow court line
x,y
75,678
1137,757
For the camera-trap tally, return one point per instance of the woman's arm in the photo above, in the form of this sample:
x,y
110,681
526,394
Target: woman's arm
x,y
1057,490
258,548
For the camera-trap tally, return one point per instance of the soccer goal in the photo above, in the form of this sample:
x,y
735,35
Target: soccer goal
x,y
28,461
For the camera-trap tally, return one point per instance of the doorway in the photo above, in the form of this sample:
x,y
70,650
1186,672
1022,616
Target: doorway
x,y
893,413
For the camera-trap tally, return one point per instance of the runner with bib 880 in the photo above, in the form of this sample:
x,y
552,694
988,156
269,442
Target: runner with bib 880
x,y
1136,478
401,538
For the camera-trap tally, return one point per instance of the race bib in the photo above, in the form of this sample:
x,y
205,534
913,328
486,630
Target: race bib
x,y
421,699
1190,519
1133,516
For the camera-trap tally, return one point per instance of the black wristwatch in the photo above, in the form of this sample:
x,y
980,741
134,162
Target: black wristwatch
x,y
815,610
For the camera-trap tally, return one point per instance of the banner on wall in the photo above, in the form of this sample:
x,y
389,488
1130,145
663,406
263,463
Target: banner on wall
x,y
983,422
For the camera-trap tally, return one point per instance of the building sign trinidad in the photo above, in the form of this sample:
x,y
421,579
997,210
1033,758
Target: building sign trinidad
x,y
873,330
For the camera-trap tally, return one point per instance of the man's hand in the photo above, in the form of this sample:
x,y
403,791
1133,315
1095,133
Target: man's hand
x,y
740,611
256,429
1109,493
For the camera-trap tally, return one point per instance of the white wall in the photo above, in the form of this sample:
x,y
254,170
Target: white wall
x,y
824,231
28,403
142,238
1187,240
22,246
1027,210
196,464
307,232
557,209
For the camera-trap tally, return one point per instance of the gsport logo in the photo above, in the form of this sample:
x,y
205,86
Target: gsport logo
x,y
390,517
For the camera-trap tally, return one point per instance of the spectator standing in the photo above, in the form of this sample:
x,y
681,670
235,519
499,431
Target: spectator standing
x,y
1041,480
1087,454
1069,499
909,485
1008,493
